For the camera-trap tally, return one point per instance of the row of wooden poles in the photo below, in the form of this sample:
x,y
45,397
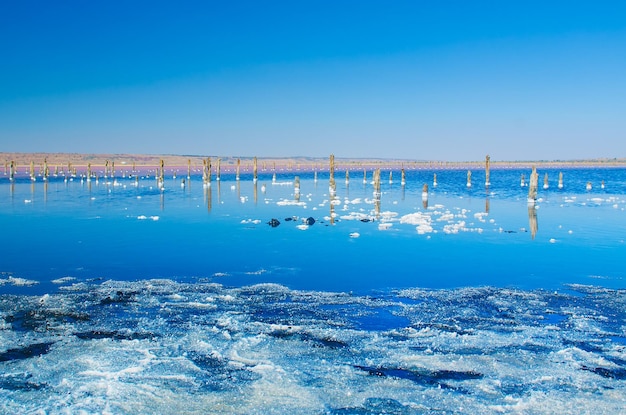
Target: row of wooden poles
x,y
207,169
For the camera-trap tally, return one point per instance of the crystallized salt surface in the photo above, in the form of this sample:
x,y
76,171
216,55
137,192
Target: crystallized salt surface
x,y
158,346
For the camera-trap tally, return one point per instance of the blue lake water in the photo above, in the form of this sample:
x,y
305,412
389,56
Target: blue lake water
x,y
120,297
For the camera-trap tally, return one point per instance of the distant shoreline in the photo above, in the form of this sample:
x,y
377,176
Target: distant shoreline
x,y
64,161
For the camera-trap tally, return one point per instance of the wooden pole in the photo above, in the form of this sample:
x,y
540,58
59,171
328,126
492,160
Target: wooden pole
x,y
347,177
487,171
469,178
545,181
238,168
188,169
522,181
532,188
435,180
219,162
560,185
12,171
403,180
254,169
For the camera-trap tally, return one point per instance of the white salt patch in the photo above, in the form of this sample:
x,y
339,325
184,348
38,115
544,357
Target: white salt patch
x,y
154,218
303,227
552,240
17,282
385,226
63,280
286,202
142,217
355,235
253,221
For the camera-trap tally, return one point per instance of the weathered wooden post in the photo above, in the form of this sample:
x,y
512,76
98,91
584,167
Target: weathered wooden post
x,y
602,185
546,185
522,181
315,176
403,180
390,176
218,173
32,171
425,195
88,172
274,178
238,168
560,185
532,188
296,185
254,170
347,177
188,169
364,176
113,169
487,171
161,175
332,188
12,171
377,192
134,167
588,187
106,168
46,169
435,180
469,178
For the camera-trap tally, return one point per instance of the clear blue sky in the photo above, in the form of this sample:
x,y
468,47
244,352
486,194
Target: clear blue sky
x,y
434,80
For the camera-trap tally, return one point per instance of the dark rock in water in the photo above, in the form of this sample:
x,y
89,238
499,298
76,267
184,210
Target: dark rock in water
x,y
114,335
20,382
274,223
423,377
26,352
376,406
120,297
309,221
288,219
365,220
617,373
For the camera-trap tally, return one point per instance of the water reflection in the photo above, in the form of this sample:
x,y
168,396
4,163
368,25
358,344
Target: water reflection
x,y
532,220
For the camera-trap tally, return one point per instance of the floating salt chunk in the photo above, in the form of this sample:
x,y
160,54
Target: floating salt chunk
x,y
303,227
142,217
385,226
154,218
355,235
552,240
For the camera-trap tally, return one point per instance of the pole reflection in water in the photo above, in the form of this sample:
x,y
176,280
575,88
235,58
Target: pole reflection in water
x,y
532,220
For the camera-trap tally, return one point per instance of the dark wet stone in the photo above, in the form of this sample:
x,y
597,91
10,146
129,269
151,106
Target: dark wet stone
x,y
274,223
119,297
20,383
26,352
309,221
114,335
616,373
365,220
288,219
40,319
425,377
376,406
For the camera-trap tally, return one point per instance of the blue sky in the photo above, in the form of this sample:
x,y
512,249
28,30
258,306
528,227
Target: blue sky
x,y
426,80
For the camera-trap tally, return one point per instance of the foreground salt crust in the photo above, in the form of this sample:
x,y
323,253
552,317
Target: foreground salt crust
x,y
156,346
